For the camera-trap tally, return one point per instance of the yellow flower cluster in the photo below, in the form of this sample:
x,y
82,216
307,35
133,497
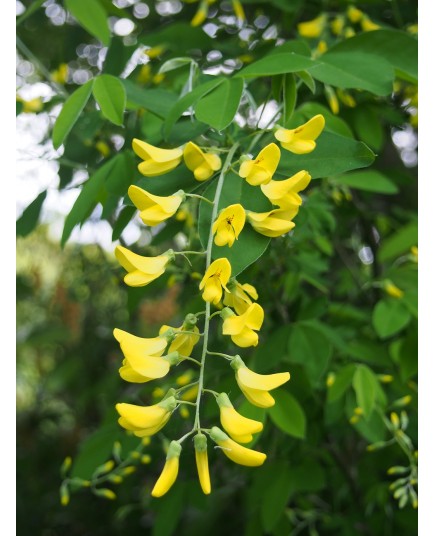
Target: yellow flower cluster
x,y
147,359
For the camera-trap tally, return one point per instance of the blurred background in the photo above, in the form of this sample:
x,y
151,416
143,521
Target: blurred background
x,y
341,292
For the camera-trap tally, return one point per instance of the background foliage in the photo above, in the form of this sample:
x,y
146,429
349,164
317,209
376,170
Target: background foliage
x,y
339,293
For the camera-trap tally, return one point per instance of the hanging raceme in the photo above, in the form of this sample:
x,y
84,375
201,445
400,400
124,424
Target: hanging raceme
x,y
234,302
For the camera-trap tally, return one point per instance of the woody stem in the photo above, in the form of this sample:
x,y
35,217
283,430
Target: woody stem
x,y
216,200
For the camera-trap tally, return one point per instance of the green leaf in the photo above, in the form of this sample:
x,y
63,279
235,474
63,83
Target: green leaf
x,y
169,510
398,243
70,112
277,63
389,317
355,70
219,107
124,218
342,382
278,493
333,154
309,347
250,244
289,96
370,181
109,93
367,125
157,101
87,198
365,385
271,352
288,415
174,63
92,16
307,80
188,100
29,218
397,47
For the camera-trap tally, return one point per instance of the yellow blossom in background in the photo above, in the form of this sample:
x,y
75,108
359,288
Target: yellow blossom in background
x,y
31,106
228,225
238,10
170,470
415,253
240,428
354,14
321,48
256,387
215,279
103,148
346,98
183,342
202,164
348,33
239,296
284,194
235,452
261,170
242,328
392,290
332,99
201,453
60,75
154,52
145,421
301,140
273,223
156,161
142,270
154,209
312,28
337,25
367,24
145,74
130,343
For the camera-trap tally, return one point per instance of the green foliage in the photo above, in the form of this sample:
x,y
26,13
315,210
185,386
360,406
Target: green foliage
x,y
110,94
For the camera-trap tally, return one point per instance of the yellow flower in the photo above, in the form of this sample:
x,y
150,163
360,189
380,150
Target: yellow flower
x,y
393,290
301,140
145,421
170,470
274,223
154,52
200,15
142,270
346,98
235,452
229,225
153,208
367,24
156,161
354,14
349,32
332,99
200,447
238,10
216,277
31,106
284,194
183,343
238,427
202,164
337,25
239,296
241,327
261,170
321,48
256,387
103,148
60,75
312,28
139,345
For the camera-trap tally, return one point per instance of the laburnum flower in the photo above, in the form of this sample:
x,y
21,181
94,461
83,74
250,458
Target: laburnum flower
x,y
261,170
240,428
202,164
156,161
234,451
145,421
229,224
301,140
312,28
142,270
284,194
273,223
215,278
154,209
239,296
201,452
170,470
241,327
256,387
183,343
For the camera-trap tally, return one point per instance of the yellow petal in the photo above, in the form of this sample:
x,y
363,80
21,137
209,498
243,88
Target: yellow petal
x,y
236,424
130,375
154,346
250,289
148,432
148,366
150,168
242,455
281,190
141,417
139,279
300,146
247,337
170,470
242,438
145,151
257,397
264,382
212,291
